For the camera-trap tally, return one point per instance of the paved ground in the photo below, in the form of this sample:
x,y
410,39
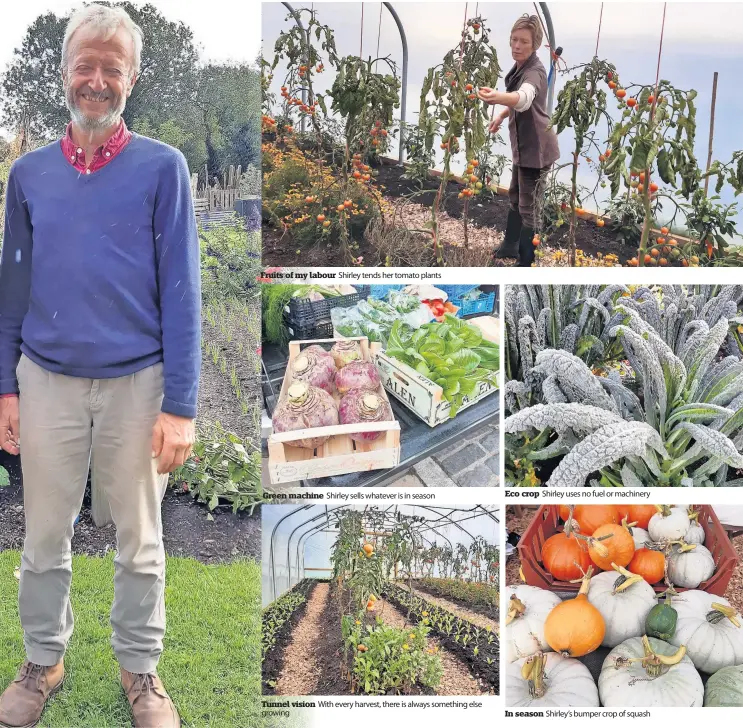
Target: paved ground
x,y
473,462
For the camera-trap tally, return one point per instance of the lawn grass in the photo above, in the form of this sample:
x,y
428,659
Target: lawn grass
x,y
210,664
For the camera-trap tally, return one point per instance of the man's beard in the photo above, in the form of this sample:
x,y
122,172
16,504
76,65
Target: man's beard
x,y
95,123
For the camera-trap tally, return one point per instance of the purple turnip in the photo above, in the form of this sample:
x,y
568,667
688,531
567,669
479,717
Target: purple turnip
x,y
305,407
357,375
345,351
315,366
363,405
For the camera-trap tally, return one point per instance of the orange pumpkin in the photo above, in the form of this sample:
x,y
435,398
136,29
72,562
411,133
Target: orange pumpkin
x,y
591,517
641,515
649,564
623,512
564,512
575,627
561,553
618,548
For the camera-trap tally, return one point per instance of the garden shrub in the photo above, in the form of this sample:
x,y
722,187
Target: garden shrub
x,y
230,262
394,660
472,592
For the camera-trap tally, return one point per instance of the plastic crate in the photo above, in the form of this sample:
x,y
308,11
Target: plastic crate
x,y
379,291
303,312
456,291
546,523
484,304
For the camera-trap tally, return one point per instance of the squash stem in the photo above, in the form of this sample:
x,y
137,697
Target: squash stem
x,y
516,609
722,611
533,671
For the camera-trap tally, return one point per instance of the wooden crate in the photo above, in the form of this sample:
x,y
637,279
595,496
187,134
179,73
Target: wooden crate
x,y
423,396
546,523
340,454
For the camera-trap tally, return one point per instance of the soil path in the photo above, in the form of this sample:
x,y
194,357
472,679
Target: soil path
x,y
477,619
457,679
300,674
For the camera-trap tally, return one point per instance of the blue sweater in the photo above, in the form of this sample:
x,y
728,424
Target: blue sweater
x,y
100,273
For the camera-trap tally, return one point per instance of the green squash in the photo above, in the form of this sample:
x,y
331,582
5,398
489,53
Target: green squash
x,y
724,689
661,620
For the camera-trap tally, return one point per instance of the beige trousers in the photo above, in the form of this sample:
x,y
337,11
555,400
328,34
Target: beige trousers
x,y
67,424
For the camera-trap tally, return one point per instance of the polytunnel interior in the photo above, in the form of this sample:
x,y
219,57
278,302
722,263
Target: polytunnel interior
x,y
297,541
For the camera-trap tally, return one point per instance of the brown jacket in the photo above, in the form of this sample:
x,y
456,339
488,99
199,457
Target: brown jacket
x,y
532,145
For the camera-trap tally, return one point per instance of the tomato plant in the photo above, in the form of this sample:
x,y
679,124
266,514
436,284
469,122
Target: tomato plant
x,y
450,111
303,61
366,101
581,105
645,149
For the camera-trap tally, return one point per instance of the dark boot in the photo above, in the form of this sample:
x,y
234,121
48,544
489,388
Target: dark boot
x,y
526,247
509,248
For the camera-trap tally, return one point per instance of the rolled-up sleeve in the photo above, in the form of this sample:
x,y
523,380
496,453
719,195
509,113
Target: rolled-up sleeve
x,y
527,93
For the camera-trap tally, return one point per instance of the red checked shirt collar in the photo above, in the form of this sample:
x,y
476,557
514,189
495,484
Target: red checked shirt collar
x,y
102,156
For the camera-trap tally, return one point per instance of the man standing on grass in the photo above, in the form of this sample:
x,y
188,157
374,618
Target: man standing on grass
x,y
99,360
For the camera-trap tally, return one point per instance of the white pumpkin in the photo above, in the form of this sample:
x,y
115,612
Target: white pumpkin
x,y
624,607
648,685
689,568
710,628
565,682
525,627
725,688
640,536
695,532
670,524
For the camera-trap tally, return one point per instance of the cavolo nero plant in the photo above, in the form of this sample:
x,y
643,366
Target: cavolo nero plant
x,y
677,420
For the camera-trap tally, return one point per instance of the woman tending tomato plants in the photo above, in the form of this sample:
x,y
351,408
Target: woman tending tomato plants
x,y
374,625
662,630
332,192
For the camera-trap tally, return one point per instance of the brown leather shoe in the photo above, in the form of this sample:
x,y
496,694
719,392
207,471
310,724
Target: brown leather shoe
x,y
151,705
22,703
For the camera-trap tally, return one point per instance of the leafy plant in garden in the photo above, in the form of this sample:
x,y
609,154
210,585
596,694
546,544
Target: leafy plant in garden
x,y
230,261
223,468
709,220
366,101
654,139
303,61
419,157
574,318
677,421
476,593
581,105
277,614
392,660
728,172
314,201
627,215
451,111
